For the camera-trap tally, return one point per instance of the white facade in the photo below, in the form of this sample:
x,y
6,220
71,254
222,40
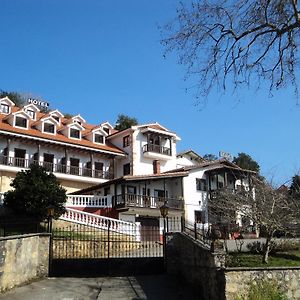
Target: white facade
x,y
141,153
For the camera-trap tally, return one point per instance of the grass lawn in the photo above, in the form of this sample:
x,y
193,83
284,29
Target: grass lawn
x,y
280,259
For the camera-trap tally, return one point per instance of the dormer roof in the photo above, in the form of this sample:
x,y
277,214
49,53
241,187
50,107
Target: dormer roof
x,y
78,118
7,101
20,112
32,107
33,131
106,124
76,125
56,112
48,118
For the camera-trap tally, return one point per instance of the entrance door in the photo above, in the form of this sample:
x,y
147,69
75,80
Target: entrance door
x,y
149,228
98,169
74,166
20,158
48,162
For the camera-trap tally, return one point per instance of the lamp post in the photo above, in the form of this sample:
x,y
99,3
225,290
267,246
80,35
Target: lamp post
x,y
164,210
50,215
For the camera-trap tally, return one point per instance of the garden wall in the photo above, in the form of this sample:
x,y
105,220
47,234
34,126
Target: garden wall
x,y
207,274
23,258
195,264
238,280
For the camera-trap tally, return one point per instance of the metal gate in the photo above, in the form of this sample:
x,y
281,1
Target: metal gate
x,y
81,250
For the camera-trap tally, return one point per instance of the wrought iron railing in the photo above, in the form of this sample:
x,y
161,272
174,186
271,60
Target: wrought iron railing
x,y
58,168
124,200
156,149
199,231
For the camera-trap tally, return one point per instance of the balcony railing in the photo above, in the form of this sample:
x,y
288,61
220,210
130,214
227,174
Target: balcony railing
x,y
132,200
156,149
89,201
55,168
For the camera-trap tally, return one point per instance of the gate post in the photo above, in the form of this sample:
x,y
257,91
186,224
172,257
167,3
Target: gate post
x,y
50,215
108,238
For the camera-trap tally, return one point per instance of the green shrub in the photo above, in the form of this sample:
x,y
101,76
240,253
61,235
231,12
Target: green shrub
x,y
264,290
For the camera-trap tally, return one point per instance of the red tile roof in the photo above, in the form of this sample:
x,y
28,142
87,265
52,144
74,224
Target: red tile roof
x,y
32,131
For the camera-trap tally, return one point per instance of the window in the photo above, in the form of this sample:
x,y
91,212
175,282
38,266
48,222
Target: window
x,y
74,166
48,127
74,133
106,191
106,130
201,184
48,162
4,108
199,216
56,118
98,138
98,169
30,113
19,160
126,141
131,189
160,194
126,169
21,122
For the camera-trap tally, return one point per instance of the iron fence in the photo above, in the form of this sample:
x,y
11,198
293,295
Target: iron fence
x,y
12,228
82,241
199,231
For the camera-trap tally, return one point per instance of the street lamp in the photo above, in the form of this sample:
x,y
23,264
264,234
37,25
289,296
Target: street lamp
x,y
50,215
164,210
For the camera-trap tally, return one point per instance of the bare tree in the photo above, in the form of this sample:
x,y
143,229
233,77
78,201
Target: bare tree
x,y
237,40
270,209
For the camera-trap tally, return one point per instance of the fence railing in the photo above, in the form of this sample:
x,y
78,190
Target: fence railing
x,y
79,241
11,228
89,201
199,231
124,200
156,149
58,168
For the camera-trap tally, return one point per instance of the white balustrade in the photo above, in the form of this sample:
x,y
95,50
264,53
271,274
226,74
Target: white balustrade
x,y
101,222
89,201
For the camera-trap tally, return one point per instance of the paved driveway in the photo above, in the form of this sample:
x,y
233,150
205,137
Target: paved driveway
x,y
154,287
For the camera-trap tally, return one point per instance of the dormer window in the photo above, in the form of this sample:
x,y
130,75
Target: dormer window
x,y
74,133
4,108
49,128
31,114
98,138
56,118
21,122
106,130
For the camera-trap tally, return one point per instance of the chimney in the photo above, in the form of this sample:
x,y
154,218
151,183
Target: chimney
x,y
156,167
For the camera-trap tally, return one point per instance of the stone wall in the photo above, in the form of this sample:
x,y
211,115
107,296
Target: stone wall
x,y
238,280
196,265
23,258
206,271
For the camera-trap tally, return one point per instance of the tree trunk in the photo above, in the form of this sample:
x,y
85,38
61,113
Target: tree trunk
x,y
265,258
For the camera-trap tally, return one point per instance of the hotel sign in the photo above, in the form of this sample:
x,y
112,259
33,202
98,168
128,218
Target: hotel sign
x,y
38,102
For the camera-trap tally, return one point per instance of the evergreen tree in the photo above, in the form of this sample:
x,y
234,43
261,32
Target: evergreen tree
x,y
34,191
245,161
123,122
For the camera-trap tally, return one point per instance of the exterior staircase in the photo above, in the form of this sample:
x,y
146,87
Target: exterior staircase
x,y
100,222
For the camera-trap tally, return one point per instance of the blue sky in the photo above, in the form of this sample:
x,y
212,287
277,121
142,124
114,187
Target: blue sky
x,y
100,58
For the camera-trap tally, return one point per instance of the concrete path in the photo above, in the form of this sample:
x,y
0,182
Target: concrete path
x,y
154,287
